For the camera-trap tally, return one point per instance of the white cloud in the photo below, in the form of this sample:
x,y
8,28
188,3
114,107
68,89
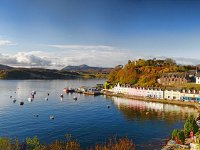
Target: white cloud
x,y
187,61
83,47
5,42
25,59
93,55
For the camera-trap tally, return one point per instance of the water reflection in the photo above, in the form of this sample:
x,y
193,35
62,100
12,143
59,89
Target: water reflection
x,y
142,110
88,119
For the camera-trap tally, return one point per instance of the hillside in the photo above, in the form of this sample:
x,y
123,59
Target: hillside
x,y
87,69
71,72
35,73
144,72
4,67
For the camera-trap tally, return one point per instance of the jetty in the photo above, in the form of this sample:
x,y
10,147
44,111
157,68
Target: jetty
x,y
89,90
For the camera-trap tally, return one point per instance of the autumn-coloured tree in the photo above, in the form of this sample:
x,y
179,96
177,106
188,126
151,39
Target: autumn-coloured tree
x,y
144,72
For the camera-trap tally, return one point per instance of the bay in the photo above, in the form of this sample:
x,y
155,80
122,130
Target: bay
x,y
88,119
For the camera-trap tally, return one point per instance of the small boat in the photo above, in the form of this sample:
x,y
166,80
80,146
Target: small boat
x,y
46,98
108,106
14,100
30,99
68,90
32,96
35,115
61,95
33,92
51,117
21,103
75,98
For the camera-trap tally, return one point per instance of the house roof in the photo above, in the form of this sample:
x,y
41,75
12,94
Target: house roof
x,y
198,74
177,74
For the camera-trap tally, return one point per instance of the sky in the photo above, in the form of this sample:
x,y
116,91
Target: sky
x,y
57,33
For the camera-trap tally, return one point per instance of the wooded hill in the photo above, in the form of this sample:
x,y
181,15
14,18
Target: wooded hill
x,y
37,73
144,72
7,72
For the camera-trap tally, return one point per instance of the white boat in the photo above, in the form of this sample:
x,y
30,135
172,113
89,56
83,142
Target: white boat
x,y
14,100
51,117
30,99
33,92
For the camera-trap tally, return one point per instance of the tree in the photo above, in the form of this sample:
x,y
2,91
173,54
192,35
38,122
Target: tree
x,y
170,62
181,136
143,72
178,135
112,76
190,125
175,134
33,143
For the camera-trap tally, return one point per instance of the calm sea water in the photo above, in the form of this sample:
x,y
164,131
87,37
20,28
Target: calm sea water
x,y
88,119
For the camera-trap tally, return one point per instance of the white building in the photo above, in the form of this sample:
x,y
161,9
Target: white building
x,y
172,95
158,93
197,78
121,89
155,93
190,95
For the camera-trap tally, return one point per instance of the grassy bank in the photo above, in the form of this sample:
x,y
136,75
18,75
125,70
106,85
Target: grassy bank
x,y
174,102
68,144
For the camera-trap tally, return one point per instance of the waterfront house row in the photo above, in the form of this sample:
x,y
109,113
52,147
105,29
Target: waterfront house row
x,y
157,93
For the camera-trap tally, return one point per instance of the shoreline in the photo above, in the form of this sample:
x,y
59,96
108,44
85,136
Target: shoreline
x,y
173,102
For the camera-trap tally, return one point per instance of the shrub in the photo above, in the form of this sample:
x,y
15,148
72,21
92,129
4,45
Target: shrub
x,y
181,136
198,134
32,143
114,144
5,144
69,144
190,125
175,134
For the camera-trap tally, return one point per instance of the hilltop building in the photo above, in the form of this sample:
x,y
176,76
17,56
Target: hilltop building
x,y
198,78
172,78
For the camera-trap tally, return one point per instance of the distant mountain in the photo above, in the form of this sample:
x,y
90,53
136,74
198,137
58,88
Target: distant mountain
x,y
37,73
87,69
77,68
69,72
4,67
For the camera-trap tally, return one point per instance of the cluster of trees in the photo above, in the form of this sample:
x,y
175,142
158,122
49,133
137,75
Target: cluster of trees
x,y
144,72
68,144
189,126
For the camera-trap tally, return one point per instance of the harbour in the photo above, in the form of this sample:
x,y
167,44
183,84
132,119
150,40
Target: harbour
x,y
124,117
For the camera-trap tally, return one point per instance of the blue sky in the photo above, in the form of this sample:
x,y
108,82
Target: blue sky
x,y
55,33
